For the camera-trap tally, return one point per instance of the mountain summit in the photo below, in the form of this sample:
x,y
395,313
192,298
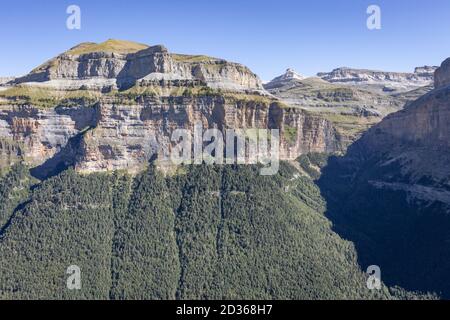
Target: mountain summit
x,y
111,45
290,76
115,105
117,64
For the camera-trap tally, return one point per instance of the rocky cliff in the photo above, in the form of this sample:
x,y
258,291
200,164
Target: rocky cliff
x,y
390,194
118,64
409,149
442,75
351,109
115,109
111,135
419,135
382,80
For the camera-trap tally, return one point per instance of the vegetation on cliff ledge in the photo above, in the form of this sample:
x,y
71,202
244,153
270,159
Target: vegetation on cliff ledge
x,y
42,97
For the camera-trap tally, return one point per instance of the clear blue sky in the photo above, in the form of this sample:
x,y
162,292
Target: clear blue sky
x,y
268,36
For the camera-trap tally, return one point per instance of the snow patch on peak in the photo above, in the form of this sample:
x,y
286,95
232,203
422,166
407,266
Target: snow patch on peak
x,y
289,77
290,74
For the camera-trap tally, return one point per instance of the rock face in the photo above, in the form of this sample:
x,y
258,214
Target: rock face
x,y
418,140
35,135
381,80
147,128
442,75
115,105
105,65
424,125
390,194
425,71
408,150
114,135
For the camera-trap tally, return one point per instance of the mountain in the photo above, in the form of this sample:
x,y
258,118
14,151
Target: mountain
x,y
115,105
120,64
442,75
352,109
390,194
287,78
84,180
207,232
381,80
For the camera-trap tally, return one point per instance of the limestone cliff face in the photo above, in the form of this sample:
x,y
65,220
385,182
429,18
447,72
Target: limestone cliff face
x,y
109,64
442,75
426,121
415,140
390,193
127,136
112,135
34,135
115,105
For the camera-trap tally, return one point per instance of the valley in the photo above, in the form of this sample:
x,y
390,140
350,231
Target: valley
x,y
86,179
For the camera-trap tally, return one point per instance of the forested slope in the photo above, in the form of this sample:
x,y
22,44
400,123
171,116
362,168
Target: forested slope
x,y
206,232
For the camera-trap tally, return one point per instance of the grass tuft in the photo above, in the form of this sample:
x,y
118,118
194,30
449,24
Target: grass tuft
x,y
117,46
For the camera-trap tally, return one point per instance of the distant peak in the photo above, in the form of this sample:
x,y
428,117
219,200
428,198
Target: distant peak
x,y
290,77
291,74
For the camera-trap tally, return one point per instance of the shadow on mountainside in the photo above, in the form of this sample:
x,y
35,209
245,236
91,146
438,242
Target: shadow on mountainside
x,y
408,239
61,161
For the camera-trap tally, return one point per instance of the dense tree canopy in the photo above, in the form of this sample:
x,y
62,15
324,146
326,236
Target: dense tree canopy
x,y
205,232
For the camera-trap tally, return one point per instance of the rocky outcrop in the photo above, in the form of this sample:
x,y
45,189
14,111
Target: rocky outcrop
x,y
382,80
351,109
38,134
286,79
442,75
425,122
115,105
425,71
353,100
416,139
105,65
315,93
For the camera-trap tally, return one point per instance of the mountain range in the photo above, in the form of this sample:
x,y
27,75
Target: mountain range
x,y
86,180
